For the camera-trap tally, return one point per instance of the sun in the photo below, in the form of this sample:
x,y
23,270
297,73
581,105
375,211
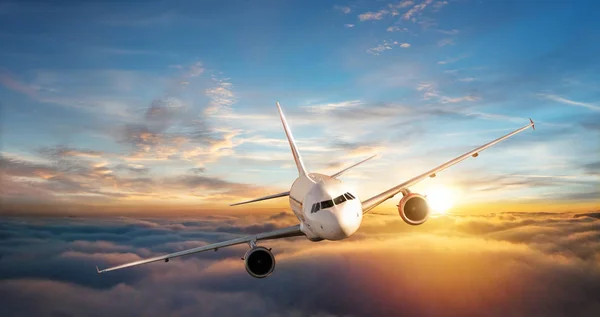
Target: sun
x,y
440,199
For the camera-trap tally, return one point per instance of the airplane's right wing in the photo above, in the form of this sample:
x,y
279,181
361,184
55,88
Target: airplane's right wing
x,y
380,198
292,231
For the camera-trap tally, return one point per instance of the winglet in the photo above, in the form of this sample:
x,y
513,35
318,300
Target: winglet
x,y
98,270
290,137
532,123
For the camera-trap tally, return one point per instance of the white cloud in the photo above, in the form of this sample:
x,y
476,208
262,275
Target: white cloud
x,y
451,60
449,32
430,91
372,15
446,99
343,9
396,29
444,42
570,102
466,79
349,25
439,4
322,108
379,48
386,45
416,9
220,96
196,70
399,5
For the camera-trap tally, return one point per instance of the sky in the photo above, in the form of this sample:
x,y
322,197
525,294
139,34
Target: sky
x,y
136,106
128,127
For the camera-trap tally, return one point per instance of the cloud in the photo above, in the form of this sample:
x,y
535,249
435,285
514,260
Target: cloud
x,y
592,168
439,4
342,9
327,107
140,19
62,151
444,42
570,102
451,60
12,83
416,9
369,16
543,263
449,32
349,25
386,45
396,29
221,97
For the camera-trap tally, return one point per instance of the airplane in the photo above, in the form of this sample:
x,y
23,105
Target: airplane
x,y
326,209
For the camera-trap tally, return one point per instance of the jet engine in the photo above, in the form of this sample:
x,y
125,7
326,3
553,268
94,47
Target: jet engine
x,y
413,209
259,262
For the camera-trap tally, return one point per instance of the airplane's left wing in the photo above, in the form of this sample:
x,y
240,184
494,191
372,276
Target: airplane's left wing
x,y
293,231
380,198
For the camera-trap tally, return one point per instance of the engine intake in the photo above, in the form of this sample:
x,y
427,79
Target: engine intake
x,y
259,262
414,209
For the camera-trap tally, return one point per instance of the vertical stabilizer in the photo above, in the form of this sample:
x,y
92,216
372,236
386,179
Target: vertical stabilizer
x,y
290,137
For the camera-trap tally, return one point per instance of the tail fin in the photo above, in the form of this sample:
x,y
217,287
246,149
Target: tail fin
x,y
290,137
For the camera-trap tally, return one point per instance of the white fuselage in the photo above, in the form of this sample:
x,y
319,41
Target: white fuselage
x,y
339,212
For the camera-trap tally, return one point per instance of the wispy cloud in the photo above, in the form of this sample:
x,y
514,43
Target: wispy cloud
x,y
451,60
327,107
141,20
416,9
368,16
439,4
444,42
449,32
127,51
396,29
12,83
349,25
221,96
386,45
570,102
342,9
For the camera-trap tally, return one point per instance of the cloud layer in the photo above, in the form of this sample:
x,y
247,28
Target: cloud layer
x,y
495,265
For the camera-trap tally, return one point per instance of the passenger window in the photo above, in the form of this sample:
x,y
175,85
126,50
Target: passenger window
x,y
326,204
339,200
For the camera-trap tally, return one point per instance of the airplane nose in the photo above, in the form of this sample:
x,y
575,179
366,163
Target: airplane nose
x,y
349,222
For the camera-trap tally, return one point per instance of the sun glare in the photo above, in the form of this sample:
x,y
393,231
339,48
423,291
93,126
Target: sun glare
x,y
440,199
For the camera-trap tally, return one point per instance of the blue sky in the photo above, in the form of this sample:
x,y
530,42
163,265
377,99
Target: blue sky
x,y
174,101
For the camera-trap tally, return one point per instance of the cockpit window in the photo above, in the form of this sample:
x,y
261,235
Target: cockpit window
x,y
329,203
315,208
326,204
340,199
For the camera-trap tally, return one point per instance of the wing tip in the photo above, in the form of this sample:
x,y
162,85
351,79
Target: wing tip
x,y
98,270
532,124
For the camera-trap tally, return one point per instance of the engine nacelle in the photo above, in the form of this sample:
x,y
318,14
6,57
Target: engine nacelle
x,y
259,262
414,209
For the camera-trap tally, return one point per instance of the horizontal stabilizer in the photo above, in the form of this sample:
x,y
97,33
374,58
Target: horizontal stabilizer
x,y
263,198
349,167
